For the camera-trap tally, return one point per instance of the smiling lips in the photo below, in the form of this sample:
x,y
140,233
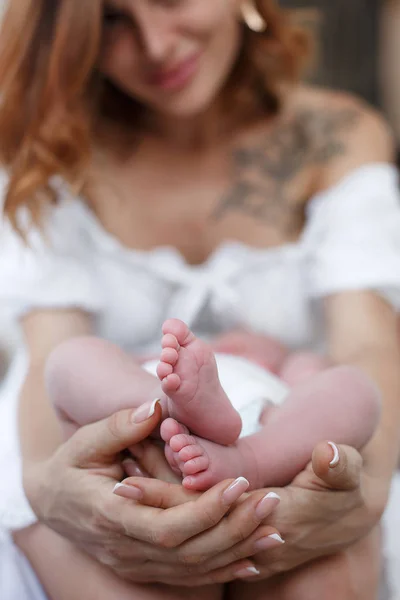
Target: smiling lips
x,y
178,77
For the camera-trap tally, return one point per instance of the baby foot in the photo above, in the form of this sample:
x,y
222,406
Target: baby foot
x,y
189,378
168,429
202,463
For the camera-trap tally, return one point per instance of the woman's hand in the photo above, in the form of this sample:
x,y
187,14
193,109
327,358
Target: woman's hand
x,y
337,509
325,511
72,493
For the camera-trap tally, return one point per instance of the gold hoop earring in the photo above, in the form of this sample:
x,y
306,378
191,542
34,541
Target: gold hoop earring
x,y
252,17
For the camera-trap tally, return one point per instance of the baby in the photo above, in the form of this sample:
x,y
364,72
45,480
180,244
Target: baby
x,y
89,379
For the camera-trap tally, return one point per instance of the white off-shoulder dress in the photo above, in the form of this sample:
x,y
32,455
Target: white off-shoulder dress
x,y
351,241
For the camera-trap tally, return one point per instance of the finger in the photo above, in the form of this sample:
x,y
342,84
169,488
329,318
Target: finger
x,y
244,569
339,467
171,527
233,539
149,571
98,443
152,459
264,539
180,576
155,493
144,563
229,539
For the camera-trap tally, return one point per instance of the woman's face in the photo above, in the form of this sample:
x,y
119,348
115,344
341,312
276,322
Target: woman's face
x,y
171,55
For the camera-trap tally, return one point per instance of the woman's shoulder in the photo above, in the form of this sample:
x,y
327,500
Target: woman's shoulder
x,y
344,131
327,104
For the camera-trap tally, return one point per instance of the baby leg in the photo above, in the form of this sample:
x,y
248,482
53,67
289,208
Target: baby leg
x,y
260,349
89,378
340,403
299,366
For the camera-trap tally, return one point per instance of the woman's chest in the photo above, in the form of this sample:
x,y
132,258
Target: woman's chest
x,y
195,203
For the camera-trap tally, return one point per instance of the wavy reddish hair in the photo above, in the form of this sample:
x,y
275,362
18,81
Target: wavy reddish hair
x,y
53,103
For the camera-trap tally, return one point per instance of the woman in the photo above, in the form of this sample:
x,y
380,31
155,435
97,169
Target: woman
x,y
198,169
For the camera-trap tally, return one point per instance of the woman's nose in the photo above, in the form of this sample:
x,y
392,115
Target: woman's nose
x,y
157,39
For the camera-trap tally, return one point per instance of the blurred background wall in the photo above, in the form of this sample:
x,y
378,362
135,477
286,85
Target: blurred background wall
x,y
347,42
389,64
357,48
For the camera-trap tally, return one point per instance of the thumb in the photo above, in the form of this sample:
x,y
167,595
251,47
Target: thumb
x,y
97,444
339,467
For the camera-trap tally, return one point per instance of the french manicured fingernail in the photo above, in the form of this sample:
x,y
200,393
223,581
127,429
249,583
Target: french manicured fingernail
x,y
336,456
128,491
145,411
235,490
269,541
247,572
266,505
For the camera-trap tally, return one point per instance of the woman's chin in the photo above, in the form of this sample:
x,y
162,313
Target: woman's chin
x,y
187,105
181,113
